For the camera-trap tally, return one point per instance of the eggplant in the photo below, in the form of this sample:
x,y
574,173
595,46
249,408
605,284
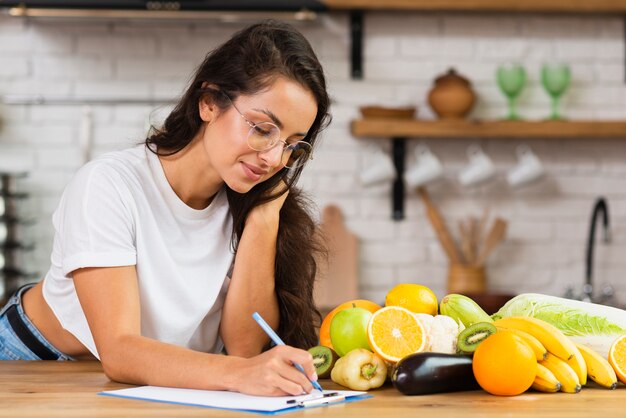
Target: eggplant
x,y
426,373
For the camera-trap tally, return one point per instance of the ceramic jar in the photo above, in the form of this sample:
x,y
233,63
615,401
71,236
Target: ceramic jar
x,y
452,96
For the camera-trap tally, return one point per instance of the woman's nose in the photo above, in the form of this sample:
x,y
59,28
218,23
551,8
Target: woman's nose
x,y
273,156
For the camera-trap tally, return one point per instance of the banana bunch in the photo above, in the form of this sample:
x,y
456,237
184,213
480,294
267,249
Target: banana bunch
x,y
598,368
546,381
562,365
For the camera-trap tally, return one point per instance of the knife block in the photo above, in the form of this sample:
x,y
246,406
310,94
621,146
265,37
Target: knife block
x,y
465,279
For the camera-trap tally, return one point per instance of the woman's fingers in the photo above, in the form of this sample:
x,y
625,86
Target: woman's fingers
x,y
293,380
307,365
273,373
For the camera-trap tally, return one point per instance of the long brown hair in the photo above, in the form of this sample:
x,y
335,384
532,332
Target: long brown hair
x,y
246,64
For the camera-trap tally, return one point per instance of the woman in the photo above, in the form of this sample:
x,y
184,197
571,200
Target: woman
x,y
162,252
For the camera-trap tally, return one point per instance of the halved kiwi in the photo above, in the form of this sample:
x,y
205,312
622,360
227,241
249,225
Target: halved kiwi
x,y
324,359
470,338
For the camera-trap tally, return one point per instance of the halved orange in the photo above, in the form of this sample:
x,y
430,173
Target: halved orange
x,y
394,332
617,357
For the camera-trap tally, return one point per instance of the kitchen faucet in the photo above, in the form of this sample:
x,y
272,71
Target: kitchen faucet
x,y
599,207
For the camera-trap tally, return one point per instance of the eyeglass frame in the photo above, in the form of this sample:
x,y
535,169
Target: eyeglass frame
x,y
285,144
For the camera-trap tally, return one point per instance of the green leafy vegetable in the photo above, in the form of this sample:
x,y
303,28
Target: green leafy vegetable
x,y
570,316
590,324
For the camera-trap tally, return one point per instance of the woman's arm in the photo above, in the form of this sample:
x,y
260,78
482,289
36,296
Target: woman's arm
x,y
252,284
110,299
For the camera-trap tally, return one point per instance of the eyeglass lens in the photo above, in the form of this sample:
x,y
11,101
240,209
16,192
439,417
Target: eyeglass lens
x,y
297,153
265,135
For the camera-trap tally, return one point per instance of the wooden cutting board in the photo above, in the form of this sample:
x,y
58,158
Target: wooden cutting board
x,y
337,277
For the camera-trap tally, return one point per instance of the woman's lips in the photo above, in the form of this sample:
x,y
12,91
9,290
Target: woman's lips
x,y
253,173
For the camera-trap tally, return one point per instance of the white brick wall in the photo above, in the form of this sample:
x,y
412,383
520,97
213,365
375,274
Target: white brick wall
x,y
403,52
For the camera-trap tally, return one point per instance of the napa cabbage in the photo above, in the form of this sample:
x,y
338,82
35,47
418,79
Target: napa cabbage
x,y
590,324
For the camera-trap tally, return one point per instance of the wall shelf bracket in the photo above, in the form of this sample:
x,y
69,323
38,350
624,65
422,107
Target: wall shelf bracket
x,y
399,151
356,44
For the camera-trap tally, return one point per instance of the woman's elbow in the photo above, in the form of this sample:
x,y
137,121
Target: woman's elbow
x,y
115,363
113,368
112,372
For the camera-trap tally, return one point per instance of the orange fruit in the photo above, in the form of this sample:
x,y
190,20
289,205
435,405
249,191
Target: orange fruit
x,y
394,332
414,297
504,364
325,327
617,357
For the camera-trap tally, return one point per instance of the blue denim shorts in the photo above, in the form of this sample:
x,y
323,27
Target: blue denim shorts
x,y
19,339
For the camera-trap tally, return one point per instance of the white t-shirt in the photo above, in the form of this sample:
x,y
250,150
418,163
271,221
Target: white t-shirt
x,y
120,210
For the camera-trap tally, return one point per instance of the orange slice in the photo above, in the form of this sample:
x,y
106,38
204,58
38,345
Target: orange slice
x,y
617,357
394,333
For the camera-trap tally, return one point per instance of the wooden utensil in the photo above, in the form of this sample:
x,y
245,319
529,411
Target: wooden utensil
x,y
337,277
466,242
472,232
494,237
439,225
480,229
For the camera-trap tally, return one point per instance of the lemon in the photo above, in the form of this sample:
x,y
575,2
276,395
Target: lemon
x,y
414,297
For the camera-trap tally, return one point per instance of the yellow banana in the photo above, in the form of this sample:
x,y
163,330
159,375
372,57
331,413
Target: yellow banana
x,y
551,337
598,368
545,380
578,363
563,373
538,348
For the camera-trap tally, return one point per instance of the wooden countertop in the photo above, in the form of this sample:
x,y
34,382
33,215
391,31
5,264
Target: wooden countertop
x,y
69,389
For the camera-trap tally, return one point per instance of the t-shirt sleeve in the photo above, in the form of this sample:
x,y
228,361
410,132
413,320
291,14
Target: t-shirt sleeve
x,y
94,221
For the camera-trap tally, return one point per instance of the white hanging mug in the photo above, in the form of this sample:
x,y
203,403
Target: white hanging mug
x,y
479,169
427,168
380,168
527,169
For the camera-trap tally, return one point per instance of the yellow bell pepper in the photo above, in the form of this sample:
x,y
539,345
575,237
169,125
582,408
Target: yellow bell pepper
x,y
360,369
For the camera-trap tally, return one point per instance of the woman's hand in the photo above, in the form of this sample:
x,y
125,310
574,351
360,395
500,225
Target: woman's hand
x,y
272,373
269,212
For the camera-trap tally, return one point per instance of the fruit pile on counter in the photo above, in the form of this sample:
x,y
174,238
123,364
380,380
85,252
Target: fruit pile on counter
x,y
534,341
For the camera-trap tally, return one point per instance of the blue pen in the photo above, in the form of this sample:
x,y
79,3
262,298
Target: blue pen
x,y
269,331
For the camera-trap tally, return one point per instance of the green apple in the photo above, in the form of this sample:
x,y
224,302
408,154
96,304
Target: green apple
x,y
348,330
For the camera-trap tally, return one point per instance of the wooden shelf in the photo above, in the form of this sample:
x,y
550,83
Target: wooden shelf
x,y
400,130
404,128
526,6
358,7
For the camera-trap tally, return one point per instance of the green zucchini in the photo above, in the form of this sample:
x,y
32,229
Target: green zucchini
x,y
426,373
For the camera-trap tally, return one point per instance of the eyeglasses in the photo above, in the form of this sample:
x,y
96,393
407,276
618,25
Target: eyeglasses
x,y
264,136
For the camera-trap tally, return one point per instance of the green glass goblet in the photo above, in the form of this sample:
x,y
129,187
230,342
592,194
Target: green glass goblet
x,y
555,78
511,78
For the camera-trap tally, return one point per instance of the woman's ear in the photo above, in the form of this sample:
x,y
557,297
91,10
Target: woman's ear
x,y
206,106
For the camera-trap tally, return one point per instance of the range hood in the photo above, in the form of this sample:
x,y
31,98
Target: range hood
x,y
184,9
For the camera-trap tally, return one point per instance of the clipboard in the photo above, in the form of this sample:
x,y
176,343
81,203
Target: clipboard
x,y
318,399
263,405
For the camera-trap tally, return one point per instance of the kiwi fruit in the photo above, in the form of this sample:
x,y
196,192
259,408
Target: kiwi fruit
x,y
324,359
470,338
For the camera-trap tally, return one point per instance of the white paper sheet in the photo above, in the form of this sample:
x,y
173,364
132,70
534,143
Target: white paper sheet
x,y
219,399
